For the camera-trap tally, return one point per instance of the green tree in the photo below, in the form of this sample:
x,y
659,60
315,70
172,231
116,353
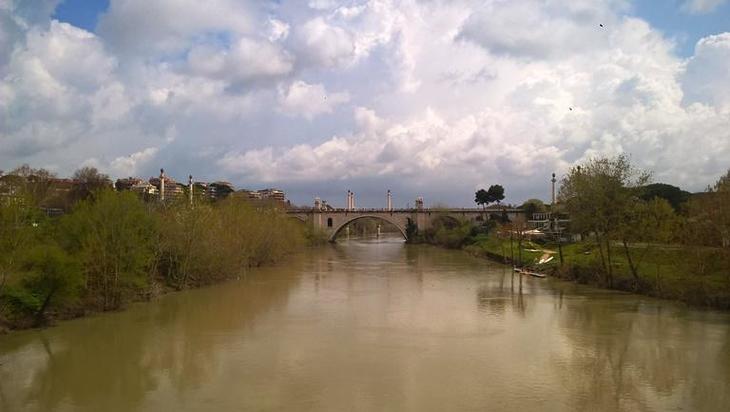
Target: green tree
x,y
21,227
482,198
113,236
644,225
496,193
598,196
672,194
54,278
35,185
532,206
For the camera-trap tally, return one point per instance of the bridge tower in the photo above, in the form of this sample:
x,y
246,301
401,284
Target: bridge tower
x,y
389,202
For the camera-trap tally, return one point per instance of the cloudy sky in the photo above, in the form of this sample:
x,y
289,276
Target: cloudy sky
x,y
432,98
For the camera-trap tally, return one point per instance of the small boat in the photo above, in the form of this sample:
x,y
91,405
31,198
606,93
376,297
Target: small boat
x,y
527,272
535,274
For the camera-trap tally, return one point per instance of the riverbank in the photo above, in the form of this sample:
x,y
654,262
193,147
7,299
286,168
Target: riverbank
x,y
115,249
695,275
667,272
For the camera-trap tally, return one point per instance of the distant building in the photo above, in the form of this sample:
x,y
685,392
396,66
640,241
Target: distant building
x,y
419,203
273,194
248,194
173,191
127,183
219,190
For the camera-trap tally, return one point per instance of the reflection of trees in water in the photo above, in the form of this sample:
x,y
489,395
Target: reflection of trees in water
x,y
623,356
112,362
508,291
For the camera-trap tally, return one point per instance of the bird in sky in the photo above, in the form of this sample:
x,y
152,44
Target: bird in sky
x,y
601,24
571,109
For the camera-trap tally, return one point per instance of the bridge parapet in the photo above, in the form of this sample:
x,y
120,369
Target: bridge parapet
x,y
331,221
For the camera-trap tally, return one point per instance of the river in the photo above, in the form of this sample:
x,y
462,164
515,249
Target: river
x,y
368,325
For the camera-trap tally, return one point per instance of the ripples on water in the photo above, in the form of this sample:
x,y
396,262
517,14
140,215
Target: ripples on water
x,y
375,325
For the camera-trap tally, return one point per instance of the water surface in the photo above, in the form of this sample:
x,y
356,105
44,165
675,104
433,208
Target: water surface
x,y
377,326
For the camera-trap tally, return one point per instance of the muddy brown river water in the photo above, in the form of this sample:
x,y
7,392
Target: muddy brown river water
x,y
376,325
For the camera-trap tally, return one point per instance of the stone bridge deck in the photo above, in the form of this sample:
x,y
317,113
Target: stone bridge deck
x,y
332,221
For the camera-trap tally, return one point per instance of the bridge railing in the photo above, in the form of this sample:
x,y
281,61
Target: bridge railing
x,y
411,210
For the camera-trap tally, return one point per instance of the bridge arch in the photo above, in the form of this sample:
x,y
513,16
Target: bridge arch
x,y
342,225
300,218
445,217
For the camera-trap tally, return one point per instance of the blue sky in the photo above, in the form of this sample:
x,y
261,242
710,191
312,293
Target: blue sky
x,y
81,13
426,98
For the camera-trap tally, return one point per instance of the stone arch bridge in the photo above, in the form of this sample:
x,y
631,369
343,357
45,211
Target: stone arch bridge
x,y
334,220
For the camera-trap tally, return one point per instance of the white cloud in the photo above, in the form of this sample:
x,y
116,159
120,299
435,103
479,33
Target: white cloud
x,y
707,79
439,96
325,44
130,165
278,30
248,59
702,6
168,26
309,100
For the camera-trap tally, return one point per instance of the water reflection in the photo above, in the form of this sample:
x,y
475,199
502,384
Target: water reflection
x,y
370,325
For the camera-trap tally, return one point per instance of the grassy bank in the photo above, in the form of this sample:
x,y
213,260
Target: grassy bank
x,y
113,249
695,275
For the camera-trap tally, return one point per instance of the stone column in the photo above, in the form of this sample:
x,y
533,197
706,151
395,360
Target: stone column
x,y
553,190
190,189
162,185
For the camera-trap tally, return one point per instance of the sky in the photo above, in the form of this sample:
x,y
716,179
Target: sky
x,y
432,98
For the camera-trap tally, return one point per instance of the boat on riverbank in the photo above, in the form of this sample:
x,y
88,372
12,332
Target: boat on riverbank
x,y
527,272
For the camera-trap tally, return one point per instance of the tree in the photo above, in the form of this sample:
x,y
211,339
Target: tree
x,y
54,278
20,228
496,193
672,194
113,237
532,206
35,184
87,181
598,196
644,224
482,198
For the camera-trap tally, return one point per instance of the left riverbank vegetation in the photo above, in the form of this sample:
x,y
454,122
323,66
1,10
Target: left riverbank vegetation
x,y
620,231
111,248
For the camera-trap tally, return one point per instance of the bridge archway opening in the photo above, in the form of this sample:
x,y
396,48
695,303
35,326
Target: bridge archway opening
x,y
367,224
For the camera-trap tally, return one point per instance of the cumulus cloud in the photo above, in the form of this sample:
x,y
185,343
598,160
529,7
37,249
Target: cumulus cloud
x,y
702,6
309,100
168,26
130,165
707,79
248,59
437,97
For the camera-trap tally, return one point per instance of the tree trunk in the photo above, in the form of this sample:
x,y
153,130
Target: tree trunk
x,y
634,269
40,315
603,257
610,263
